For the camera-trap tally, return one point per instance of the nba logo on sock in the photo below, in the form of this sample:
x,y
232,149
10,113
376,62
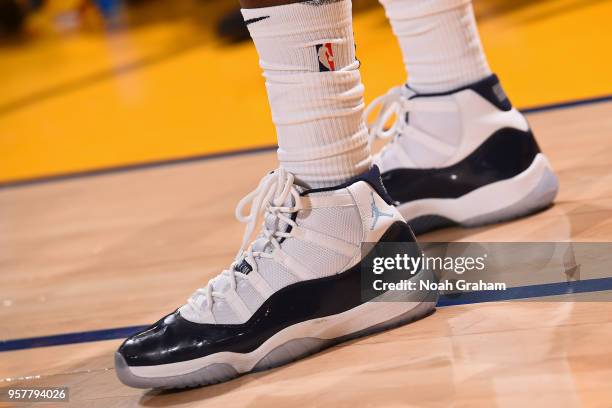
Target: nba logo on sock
x,y
326,57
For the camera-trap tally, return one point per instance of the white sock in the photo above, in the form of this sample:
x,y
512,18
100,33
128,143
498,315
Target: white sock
x,y
439,41
316,98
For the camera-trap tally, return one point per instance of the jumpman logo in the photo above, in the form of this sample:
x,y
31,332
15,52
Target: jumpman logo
x,y
376,213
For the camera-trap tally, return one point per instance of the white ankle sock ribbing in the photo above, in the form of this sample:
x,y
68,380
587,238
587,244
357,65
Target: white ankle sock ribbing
x,y
307,52
439,41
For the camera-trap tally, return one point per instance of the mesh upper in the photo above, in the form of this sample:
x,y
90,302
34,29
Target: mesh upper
x,y
342,223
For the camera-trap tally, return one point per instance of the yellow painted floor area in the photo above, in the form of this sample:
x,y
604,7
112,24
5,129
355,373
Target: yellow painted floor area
x,y
166,87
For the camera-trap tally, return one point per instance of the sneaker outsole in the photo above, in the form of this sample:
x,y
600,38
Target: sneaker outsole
x,y
286,353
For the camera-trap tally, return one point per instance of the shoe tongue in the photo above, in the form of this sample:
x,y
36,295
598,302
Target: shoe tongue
x,y
243,267
272,223
407,93
222,283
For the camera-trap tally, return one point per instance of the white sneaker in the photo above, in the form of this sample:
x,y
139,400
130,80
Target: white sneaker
x,y
294,290
463,157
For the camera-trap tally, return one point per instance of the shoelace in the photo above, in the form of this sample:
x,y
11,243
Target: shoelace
x,y
392,103
268,198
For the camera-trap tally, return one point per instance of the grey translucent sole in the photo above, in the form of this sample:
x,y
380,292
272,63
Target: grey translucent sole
x,y
290,351
427,223
539,198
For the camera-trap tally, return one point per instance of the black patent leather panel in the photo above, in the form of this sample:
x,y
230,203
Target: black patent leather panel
x,y
174,339
506,153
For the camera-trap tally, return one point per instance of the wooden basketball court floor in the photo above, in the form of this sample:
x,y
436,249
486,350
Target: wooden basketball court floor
x,y
90,254
86,260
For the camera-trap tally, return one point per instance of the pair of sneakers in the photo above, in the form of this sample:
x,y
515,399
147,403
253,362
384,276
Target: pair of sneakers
x,y
464,157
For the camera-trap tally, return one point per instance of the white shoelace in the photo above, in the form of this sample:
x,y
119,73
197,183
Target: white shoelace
x,y
392,104
270,198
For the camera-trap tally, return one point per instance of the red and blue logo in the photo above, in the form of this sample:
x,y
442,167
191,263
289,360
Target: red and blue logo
x,y
326,57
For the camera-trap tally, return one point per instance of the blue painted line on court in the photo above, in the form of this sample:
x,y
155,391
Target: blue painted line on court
x,y
269,148
527,292
567,104
515,293
69,338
